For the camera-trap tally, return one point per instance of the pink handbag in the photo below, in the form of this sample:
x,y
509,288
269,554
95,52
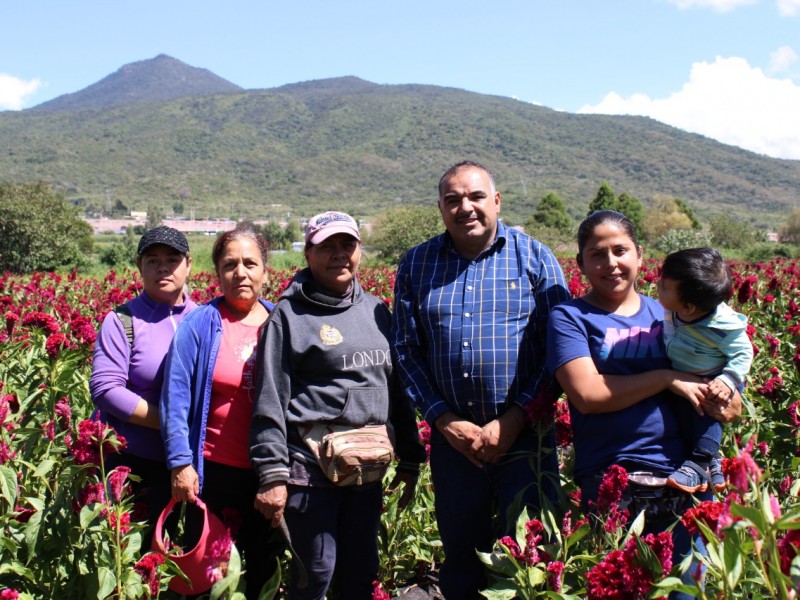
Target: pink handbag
x,y
198,563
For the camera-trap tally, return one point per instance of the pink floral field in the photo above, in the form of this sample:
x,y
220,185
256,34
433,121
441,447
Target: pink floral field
x,y
69,529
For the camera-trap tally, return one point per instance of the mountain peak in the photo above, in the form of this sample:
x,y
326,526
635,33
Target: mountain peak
x,y
160,78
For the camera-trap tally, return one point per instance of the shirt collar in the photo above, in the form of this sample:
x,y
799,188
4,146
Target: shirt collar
x,y
446,241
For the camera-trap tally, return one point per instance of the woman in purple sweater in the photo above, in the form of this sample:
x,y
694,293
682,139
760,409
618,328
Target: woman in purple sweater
x,y
128,367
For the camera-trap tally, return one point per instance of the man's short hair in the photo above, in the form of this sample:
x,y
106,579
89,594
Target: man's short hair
x,y
702,275
461,165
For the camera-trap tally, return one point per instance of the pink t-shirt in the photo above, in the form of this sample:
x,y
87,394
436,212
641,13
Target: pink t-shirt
x,y
232,388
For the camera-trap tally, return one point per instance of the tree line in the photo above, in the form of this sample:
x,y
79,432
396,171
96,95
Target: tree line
x,y
41,231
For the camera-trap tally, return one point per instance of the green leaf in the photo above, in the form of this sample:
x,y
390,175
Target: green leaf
x,y
8,486
273,586
500,563
755,516
733,563
106,581
44,468
32,533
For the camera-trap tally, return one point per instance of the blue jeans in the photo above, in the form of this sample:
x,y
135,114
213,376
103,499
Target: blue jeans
x,y
334,531
476,506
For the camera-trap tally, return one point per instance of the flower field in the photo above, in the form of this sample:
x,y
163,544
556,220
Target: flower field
x,y
71,530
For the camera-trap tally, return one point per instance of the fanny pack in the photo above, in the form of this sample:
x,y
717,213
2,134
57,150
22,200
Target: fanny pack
x,y
348,455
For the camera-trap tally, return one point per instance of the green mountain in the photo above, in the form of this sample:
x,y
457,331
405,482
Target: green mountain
x,y
162,133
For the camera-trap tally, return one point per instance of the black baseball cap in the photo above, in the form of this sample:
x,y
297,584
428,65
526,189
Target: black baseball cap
x,y
163,235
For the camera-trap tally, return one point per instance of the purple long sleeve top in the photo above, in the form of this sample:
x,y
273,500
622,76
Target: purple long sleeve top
x,y
122,376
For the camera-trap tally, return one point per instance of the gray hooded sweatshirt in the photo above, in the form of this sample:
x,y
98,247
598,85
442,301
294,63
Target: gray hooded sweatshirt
x,y
325,359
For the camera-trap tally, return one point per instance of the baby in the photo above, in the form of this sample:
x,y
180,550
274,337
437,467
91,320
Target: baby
x,y
704,336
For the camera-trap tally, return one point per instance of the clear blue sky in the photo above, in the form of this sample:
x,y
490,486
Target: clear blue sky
x,y
726,68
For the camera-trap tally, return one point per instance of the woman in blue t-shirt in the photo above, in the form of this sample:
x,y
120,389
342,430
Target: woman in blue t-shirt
x,y
606,351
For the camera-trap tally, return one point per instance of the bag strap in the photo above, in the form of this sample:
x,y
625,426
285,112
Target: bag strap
x,y
124,314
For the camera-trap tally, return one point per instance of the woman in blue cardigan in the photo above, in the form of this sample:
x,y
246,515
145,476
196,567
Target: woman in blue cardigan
x,y
207,400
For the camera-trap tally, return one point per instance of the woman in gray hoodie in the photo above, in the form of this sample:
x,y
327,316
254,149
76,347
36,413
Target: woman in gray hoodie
x,y
324,358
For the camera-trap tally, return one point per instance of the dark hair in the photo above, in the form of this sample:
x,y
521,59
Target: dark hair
x,y
461,165
242,230
601,217
703,276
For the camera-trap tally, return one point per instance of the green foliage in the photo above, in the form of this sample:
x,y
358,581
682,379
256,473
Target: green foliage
x,y
632,208
663,215
605,199
154,217
679,239
727,232
402,228
276,236
689,212
551,212
39,230
790,230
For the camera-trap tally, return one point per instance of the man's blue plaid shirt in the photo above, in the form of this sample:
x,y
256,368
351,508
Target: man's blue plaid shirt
x,y
469,335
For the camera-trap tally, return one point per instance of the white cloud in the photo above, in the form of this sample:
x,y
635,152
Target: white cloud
x,y
727,100
788,8
781,60
13,91
721,6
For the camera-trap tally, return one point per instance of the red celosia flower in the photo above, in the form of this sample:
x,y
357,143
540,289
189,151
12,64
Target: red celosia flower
x,y
50,430
4,407
40,321
64,411
6,453
788,547
609,494
774,345
219,554
771,387
124,521
12,319
794,415
739,470
147,568
116,482
55,343
554,572
93,492
541,410
9,594
513,547
378,593
533,537
424,431
563,423
91,434
83,330
622,576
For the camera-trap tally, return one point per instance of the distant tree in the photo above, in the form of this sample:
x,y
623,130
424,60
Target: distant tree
x,y
790,230
40,230
550,212
119,208
177,208
276,236
154,216
400,229
632,208
689,212
292,232
121,254
664,214
727,232
605,199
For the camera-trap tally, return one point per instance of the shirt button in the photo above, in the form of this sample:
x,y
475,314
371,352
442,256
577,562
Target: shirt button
x,y
469,403
466,375
466,344
469,288
467,314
